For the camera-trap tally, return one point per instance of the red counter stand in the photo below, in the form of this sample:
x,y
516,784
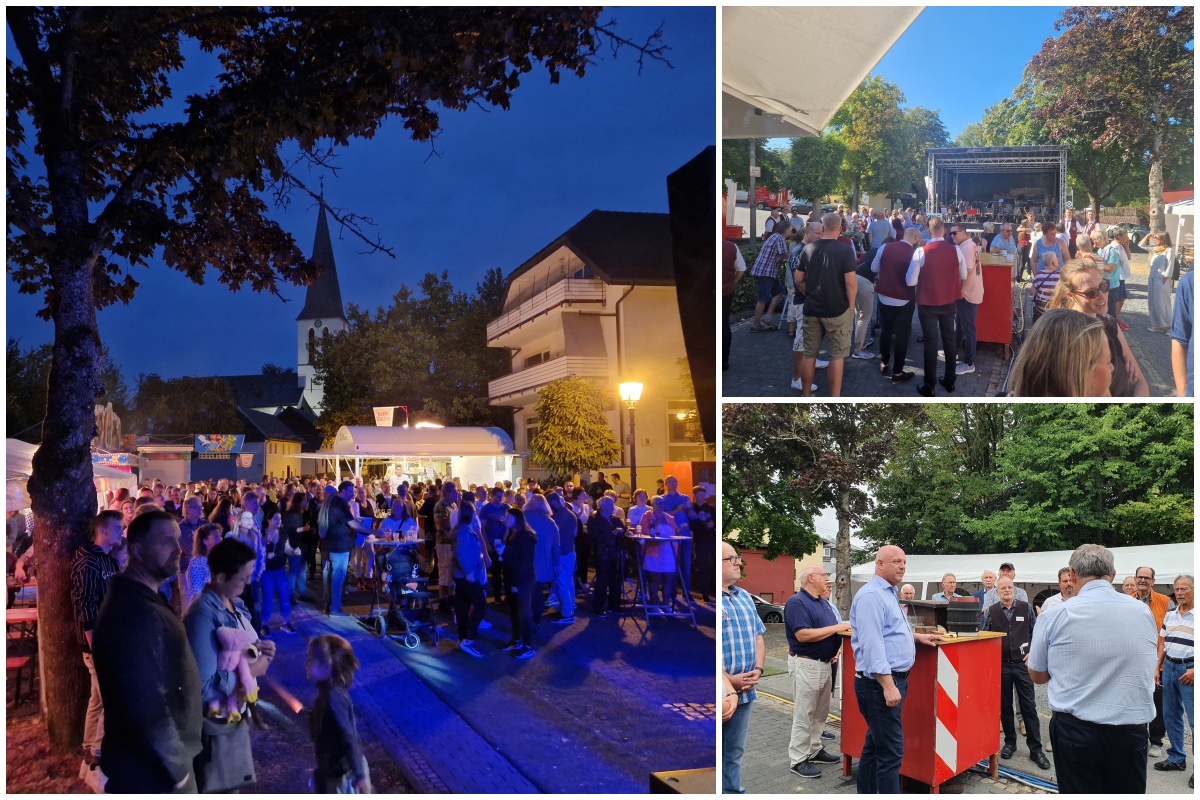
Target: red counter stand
x,y
994,317
951,713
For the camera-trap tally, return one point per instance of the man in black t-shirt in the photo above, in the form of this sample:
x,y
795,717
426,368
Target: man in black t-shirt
x,y
825,274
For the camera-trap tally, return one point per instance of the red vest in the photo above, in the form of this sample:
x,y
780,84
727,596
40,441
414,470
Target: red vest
x,y
728,267
939,284
893,267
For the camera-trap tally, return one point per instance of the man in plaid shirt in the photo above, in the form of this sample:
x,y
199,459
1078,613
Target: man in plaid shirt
x,y
743,652
766,273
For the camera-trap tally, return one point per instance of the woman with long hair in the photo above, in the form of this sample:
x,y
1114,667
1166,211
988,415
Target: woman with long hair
x,y
1081,287
659,560
1066,355
471,563
295,526
1158,286
539,517
223,515
246,531
520,579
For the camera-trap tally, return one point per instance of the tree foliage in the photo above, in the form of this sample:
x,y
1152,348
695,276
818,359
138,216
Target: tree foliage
x,y
735,163
814,166
994,478
804,458
1126,76
427,350
871,126
27,374
573,434
107,171
183,406
923,129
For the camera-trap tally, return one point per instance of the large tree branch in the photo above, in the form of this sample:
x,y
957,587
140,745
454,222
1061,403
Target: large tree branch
x,y
22,26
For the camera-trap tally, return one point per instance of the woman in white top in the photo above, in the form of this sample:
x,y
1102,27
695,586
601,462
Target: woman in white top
x,y
659,562
1158,286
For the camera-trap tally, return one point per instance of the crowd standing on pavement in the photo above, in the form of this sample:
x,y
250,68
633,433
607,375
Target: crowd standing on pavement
x,y
873,282
203,575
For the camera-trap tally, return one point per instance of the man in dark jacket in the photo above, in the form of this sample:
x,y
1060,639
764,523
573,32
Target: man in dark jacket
x,y
148,678
604,530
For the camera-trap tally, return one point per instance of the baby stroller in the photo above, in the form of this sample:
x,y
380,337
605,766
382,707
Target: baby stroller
x,y
409,608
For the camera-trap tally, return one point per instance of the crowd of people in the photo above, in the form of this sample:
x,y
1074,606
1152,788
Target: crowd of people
x,y
846,276
1110,708
205,575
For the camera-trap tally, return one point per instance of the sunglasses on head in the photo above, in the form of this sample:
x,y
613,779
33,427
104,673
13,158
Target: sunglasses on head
x,y
1091,294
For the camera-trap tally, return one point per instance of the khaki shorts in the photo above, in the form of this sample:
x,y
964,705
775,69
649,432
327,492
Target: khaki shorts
x,y
837,331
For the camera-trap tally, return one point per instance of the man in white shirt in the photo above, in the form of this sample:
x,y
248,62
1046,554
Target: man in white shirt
x,y
1065,589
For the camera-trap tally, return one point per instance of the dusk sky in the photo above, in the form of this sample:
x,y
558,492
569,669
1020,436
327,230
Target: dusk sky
x,y
505,185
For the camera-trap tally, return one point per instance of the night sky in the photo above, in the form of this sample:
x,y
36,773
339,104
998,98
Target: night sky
x,y
505,185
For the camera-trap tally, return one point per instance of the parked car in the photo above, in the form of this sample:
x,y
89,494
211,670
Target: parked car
x,y
801,207
767,612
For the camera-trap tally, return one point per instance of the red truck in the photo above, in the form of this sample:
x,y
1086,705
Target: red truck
x,y
765,199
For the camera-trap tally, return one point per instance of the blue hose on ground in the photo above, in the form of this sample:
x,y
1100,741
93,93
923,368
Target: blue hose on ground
x,y
1020,777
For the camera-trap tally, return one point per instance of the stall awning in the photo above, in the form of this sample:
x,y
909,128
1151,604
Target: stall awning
x,y
768,52
365,441
18,466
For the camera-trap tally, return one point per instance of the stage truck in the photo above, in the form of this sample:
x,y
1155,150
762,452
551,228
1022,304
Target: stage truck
x,y
996,184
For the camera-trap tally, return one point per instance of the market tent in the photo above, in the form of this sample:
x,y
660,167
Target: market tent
x,y
1181,223
769,53
366,441
1168,560
18,466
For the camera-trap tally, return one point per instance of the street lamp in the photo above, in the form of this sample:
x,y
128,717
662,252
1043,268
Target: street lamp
x,y
631,392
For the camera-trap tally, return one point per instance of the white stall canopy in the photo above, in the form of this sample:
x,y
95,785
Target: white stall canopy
x,y
768,52
474,455
18,465
1167,560
1180,222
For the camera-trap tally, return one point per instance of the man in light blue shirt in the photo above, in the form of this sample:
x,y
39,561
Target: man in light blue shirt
x,y
948,584
884,651
1102,695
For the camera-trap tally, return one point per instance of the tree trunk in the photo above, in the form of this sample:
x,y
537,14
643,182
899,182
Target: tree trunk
x,y
1157,207
61,488
854,201
843,554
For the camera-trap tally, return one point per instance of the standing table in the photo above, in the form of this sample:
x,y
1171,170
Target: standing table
x,y
951,713
994,319
669,609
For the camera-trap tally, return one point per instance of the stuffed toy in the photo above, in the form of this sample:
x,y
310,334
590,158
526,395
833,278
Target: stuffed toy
x,y
238,649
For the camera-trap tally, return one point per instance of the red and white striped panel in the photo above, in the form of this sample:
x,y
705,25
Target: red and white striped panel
x,y
946,737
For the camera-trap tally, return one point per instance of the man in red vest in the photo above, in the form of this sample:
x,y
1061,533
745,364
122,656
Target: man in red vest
x,y
938,270
732,270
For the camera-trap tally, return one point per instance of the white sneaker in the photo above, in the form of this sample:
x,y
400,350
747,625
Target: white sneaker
x,y
941,355
798,385
822,363
863,354
964,369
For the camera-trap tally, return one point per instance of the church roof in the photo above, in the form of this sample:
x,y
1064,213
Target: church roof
x,y
622,247
323,299
261,391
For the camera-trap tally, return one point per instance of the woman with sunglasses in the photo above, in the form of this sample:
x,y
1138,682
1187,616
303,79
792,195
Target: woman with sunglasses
x,y
1082,288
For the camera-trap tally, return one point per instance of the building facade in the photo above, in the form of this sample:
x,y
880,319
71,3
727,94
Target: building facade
x,y
600,302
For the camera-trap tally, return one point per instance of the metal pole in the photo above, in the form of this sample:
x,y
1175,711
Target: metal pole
x,y
632,453
750,196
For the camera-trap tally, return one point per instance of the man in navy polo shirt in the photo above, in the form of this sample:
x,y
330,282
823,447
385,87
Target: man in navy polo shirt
x,y
812,636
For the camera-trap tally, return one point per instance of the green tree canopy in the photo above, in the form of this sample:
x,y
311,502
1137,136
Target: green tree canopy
x,y
1124,76
27,375
814,166
573,434
735,163
871,126
183,406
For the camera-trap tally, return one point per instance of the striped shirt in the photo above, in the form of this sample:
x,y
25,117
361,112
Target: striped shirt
x,y
773,253
1043,287
740,629
91,570
1089,677
1179,634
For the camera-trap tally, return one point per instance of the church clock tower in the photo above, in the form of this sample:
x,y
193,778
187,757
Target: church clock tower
x,y
321,316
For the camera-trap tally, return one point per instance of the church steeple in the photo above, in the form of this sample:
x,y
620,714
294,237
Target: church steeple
x,y
323,299
322,314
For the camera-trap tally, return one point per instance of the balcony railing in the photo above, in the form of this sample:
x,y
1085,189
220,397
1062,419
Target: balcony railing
x,y
528,380
566,290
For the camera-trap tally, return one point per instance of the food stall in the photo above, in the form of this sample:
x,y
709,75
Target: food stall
x,y
19,466
473,455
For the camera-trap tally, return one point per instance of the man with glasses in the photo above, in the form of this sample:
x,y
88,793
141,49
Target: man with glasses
x,y
743,652
813,641
1159,604
1004,241
939,271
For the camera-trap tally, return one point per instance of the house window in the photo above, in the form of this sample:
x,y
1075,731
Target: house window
x,y
532,361
684,439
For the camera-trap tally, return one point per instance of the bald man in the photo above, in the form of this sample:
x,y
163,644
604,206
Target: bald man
x,y
884,650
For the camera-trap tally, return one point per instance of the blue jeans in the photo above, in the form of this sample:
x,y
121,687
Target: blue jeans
x,y
966,341
564,584
298,575
275,581
883,750
733,744
335,563
1178,699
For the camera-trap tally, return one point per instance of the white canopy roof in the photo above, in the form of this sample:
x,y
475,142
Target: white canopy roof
x,y
366,441
1168,560
18,466
769,52
1182,208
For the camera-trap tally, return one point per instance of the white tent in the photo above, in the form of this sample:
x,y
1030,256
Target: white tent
x,y
18,466
1181,223
769,54
1037,569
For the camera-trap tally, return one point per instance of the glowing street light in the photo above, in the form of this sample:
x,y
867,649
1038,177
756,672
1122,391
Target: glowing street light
x,y
631,392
